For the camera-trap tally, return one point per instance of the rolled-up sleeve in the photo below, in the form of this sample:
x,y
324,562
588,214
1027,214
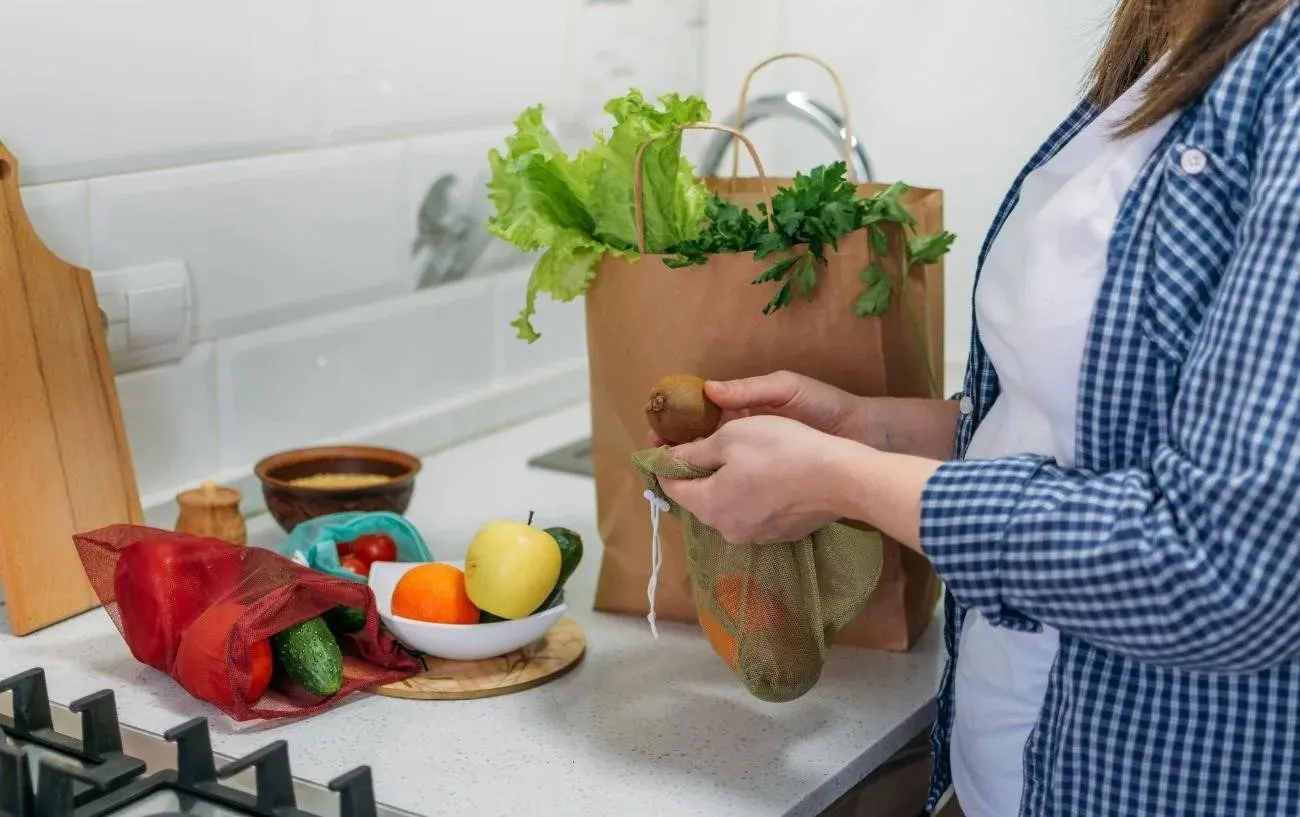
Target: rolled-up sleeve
x,y
1192,561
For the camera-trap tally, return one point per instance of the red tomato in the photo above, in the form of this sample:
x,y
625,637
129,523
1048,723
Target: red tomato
x,y
374,547
355,564
161,586
202,661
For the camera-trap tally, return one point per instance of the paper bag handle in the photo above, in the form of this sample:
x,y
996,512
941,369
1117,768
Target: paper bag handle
x,y
638,183
839,92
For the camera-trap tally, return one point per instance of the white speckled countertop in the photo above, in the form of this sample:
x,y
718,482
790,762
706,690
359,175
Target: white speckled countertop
x,y
641,727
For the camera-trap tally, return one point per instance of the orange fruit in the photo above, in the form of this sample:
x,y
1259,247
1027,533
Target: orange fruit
x,y
751,608
434,593
721,640
780,660
746,606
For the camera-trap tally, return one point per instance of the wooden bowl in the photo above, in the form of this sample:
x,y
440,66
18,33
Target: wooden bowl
x,y
292,504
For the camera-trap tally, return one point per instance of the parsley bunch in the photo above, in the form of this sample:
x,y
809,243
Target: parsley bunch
x,y
820,208
730,229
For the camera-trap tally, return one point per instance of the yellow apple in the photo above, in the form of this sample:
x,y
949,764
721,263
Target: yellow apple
x,y
511,568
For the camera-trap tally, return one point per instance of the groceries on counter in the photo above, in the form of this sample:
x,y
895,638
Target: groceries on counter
x,y
360,553
434,593
345,545
259,635
512,570
309,655
330,479
241,628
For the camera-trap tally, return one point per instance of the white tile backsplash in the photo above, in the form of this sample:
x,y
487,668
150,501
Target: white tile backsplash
x,y
171,421
267,239
58,213
321,378
403,66
653,45
105,87
281,151
463,158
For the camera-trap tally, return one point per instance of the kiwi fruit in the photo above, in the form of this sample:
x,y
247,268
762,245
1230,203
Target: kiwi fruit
x,y
679,411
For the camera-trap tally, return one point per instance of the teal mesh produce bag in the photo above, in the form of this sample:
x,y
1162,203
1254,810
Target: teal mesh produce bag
x,y
314,543
770,611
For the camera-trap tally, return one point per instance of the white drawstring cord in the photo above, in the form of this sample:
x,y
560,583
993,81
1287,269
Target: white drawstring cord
x,y
658,505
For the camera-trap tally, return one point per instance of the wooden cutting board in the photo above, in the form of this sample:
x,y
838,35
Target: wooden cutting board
x,y
544,660
64,463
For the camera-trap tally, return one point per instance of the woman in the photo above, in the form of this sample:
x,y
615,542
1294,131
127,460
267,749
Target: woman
x,y
1119,530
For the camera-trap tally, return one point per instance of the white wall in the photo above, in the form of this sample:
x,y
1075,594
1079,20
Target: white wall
x,y
944,93
281,150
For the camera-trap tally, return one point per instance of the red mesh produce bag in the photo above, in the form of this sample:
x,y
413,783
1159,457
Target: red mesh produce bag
x,y
203,610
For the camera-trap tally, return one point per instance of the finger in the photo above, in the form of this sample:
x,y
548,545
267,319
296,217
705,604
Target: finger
x,y
705,454
768,391
679,491
729,415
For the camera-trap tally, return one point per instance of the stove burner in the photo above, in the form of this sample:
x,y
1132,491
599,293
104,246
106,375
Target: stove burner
x,y
93,777
98,753
16,796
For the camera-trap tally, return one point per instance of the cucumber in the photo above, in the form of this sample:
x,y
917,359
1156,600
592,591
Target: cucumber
x,y
570,555
310,655
343,620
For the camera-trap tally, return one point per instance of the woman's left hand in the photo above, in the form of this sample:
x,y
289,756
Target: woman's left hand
x,y
775,480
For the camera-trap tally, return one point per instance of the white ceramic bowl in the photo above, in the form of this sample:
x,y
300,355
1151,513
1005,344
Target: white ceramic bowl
x,y
459,642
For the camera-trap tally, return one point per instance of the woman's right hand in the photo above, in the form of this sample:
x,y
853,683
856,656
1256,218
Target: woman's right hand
x,y
794,396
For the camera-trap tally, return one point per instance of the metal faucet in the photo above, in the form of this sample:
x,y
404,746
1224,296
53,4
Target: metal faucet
x,y
792,105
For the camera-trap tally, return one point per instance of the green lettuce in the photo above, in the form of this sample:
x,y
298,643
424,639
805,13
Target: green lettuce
x,y
578,209
674,199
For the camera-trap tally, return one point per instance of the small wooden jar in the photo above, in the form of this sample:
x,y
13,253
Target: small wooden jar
x,y
212,510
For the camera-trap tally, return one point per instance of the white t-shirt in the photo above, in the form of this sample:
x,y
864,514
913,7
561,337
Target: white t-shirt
x,y
1033,307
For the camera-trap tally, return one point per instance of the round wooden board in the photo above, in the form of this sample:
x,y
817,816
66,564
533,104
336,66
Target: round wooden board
x,y
544,660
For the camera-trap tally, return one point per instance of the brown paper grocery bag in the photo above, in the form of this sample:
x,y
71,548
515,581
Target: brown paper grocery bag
x,y
904,602
646,320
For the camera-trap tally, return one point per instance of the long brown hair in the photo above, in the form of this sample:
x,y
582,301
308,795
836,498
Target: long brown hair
x,y
1199,37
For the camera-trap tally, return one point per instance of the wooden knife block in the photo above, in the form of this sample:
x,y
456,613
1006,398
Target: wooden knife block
x,y
65,466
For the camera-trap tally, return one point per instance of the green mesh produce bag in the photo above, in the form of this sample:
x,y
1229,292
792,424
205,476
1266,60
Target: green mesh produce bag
x,y
770,611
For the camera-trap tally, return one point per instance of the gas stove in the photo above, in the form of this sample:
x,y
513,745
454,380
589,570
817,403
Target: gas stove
x,y
79,761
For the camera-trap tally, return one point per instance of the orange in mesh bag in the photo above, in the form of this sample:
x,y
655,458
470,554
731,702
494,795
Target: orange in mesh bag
x,y
769,611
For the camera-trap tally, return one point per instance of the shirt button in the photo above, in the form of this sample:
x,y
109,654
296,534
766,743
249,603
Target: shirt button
x,y
966,405
1193,161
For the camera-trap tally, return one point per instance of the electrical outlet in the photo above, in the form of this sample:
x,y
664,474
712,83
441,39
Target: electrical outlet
x,y
148,313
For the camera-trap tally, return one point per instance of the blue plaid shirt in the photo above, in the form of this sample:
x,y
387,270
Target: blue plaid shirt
x,y
1169,555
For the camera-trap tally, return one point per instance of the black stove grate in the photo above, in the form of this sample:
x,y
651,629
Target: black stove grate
x,y
93,777
98,753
